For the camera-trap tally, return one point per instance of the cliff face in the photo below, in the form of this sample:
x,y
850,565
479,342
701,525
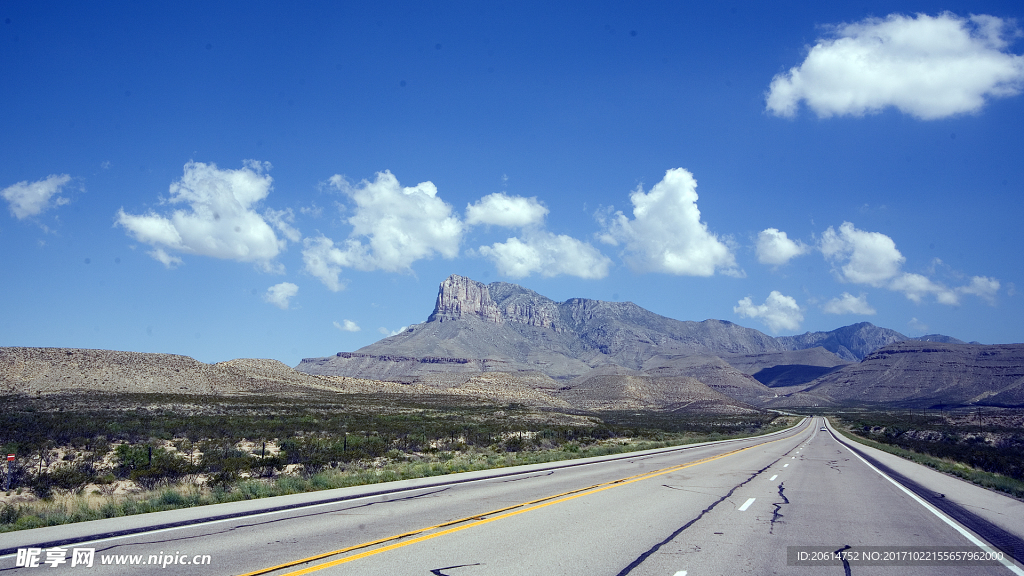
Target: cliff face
x,y
459,298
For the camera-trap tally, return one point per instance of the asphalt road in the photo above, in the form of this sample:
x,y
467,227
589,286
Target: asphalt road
x,y
739,507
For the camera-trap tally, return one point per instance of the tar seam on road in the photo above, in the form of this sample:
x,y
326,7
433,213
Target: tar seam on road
x,y
1010,544
437,571
643,557
778,506
846,563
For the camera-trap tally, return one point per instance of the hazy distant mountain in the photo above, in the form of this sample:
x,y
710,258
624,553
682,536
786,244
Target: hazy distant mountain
x,y
930,374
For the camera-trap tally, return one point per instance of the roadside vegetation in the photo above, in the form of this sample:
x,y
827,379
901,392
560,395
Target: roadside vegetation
x,y
985,447
89,458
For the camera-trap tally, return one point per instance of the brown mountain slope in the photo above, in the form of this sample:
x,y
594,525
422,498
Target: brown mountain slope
x,y
36,371
616,388
926,374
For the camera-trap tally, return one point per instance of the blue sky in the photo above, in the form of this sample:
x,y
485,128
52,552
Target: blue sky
x,y
260,180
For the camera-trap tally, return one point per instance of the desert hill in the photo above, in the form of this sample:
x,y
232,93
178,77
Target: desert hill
x,y
927,374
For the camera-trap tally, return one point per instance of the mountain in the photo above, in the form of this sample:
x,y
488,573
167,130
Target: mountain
x,y
502,327
929,374
63,370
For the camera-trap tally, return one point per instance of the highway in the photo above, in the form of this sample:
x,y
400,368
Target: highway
x,y
736,507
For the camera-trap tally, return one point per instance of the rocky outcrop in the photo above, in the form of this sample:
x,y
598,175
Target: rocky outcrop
x,y
459,297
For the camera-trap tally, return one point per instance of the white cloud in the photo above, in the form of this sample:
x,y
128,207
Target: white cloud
x,y
283,220
400,225
870,257
849,304
220,220
387,332
548,254
666,234
348,326
30,199
280,294
928,67
324,261
916,286
508,211
774,247
983,287
778,312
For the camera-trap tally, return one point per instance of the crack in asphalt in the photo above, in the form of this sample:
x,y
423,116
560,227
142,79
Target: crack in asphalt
x,y
846,563
778,506
437,571
643,557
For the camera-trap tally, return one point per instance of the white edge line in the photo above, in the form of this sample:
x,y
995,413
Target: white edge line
x,y
746,504
956,526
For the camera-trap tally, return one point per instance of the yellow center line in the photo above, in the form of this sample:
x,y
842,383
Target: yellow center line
x,y
480,520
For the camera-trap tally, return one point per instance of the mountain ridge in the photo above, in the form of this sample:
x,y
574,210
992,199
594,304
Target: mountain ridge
x,y
476,327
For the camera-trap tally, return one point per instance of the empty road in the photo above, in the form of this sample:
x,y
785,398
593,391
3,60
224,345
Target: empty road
x,y
737,507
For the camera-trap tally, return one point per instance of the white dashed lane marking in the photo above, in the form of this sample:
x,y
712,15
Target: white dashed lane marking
x,y
784,465
747,504
773,477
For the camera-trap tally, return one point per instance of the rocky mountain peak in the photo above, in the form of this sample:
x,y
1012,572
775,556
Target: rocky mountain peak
x,y
459,297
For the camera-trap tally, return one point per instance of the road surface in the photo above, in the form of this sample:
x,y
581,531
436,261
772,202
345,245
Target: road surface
x,y
748,506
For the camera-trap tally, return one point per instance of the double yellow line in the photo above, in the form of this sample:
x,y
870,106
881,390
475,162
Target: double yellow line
x,y
480,519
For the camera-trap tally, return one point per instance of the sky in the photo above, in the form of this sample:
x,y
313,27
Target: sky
x,y
233,180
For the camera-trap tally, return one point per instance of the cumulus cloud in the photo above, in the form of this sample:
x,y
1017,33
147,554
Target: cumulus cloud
x,y
280,294
392,227
849,304
387,332
870,257
916,287
508,211
548,254
26,199
324,260
283,220
983,287
220,221
928,67
775,248
666,234
778,312
347,326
